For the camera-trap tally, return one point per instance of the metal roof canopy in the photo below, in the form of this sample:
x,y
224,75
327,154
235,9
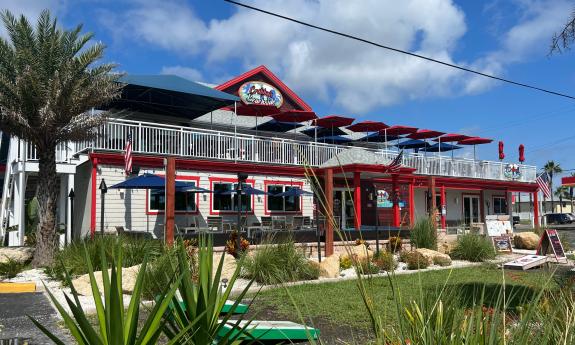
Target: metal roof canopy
x,y
169,95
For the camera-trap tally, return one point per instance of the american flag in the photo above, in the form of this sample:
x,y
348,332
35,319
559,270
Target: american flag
x,y
543,183
128,155
395,164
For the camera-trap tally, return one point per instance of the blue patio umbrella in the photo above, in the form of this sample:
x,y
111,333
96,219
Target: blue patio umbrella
x,y
441,147
277,126
295,192
377,137
322,132
149,181
412,144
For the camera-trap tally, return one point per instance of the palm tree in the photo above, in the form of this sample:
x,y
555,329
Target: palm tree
x,y
562,192
552,168
48,81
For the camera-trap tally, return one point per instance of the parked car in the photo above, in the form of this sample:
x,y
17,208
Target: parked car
x,y
559,218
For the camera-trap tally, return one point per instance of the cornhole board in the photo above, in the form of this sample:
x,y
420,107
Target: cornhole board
x,y
526,262
550,240
269,332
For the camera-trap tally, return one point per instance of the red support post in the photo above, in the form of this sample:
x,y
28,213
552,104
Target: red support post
x,y
443,207
328,188
357,199
395,198
170,200
412,202
536,208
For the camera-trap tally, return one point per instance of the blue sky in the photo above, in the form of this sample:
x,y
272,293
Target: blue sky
x,y
213,41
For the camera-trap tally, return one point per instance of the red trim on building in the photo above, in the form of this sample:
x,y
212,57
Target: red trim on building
x,y
178,178
568,181
228,180
94,160
266,72
283,183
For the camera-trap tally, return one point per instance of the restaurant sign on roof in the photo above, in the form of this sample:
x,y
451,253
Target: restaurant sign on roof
x,y
257,92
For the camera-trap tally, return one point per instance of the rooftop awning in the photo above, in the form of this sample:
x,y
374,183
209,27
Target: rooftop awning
x,y
169,95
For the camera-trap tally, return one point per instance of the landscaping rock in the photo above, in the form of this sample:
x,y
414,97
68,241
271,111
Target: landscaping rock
x,y
329,267
18,254
129,276
359,253
445,243
526,240
228,268
431,254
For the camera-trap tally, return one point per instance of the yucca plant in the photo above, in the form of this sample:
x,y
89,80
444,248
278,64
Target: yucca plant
x,y
198,319
115,325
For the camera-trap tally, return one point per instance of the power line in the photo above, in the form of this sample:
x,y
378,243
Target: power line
x,y
317,27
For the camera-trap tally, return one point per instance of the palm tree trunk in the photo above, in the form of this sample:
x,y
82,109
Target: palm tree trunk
x,y
47,202
552,199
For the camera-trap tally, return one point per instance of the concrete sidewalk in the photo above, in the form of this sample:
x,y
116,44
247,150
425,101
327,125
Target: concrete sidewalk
x,y
14,322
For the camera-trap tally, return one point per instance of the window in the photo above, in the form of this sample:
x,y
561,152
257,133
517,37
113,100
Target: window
x,y
282,203
185,201
224,199
499,205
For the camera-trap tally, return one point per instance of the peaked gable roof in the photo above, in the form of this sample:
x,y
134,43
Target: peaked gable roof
x,y
262,73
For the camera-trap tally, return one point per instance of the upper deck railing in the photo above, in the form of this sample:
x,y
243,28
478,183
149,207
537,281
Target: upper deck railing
x,y
161,139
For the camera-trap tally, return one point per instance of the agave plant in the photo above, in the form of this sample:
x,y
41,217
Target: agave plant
x,y
197,318
115,325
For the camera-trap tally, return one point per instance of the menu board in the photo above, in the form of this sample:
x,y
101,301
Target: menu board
x,y
550,239
496,227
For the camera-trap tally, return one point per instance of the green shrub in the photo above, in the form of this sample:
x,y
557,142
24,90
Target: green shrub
x,y
11,268
345,262
472,247
385,261
441,261
424,234
415,261
368,267
275,264
73,255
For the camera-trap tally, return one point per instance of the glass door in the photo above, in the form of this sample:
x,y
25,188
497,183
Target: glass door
x,y
349,211
338,202
471,209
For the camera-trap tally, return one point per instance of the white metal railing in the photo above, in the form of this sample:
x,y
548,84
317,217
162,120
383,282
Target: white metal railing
x,y
161,139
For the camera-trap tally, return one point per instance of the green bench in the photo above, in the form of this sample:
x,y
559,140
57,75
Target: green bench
x,y
270,332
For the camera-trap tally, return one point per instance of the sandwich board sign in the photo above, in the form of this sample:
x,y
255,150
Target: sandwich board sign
x,y
502,243
550,239
526,262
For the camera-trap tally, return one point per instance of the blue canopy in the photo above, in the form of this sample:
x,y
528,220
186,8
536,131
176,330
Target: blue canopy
x,y
277,126
295,192
247,190
378,138
444,147
323,132
169,95
413,144
149,181
336,139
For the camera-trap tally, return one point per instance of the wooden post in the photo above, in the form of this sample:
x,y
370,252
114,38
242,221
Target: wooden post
x,y
328,188
395,199
357,198
170,200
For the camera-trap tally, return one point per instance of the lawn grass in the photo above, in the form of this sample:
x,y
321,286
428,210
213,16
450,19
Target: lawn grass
x,y
340,302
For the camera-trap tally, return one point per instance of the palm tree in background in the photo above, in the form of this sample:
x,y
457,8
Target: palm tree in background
x,y
49,80
552,168
562,192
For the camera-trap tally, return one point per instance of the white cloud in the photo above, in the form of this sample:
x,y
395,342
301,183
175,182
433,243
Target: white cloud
x,y
348,73
185,72
31,9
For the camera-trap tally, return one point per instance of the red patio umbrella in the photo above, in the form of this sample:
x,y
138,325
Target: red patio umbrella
x,y
333,121
474,141
521,153
425,134
257,110
451,137
400,130
295,116
367,126
501,153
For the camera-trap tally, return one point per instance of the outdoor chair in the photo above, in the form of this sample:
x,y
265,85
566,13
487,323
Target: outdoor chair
x,y
215,222
266,223
279,223
297,222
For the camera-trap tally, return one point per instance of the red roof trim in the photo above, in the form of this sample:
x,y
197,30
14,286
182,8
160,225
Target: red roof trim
x,y
265,71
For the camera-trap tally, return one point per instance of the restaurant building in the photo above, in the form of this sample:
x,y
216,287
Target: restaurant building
x,y
197,124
